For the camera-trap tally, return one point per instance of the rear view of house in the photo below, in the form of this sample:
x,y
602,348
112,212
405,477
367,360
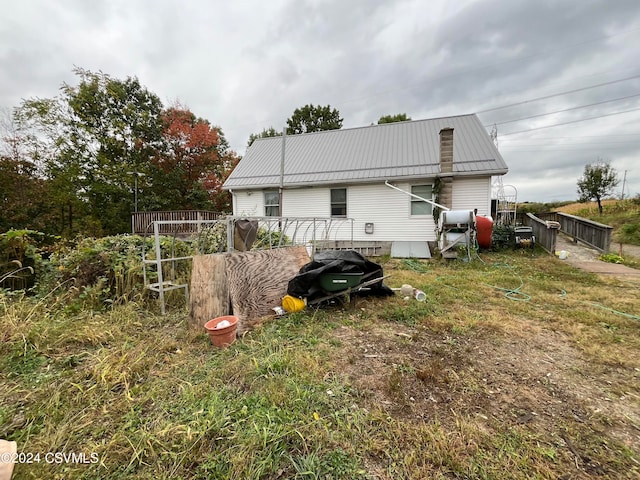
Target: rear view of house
x,y
341,174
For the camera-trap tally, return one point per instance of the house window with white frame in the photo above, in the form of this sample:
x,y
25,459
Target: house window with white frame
x,y
419,207
271,204
338,202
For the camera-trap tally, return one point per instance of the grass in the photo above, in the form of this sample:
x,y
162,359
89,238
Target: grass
x,y
455,387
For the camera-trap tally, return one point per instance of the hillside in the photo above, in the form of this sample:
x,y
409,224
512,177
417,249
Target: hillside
x,y
622,215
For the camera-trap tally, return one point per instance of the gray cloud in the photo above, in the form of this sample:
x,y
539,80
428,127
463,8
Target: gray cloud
x,y
247,65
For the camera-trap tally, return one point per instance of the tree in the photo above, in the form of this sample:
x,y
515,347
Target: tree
x,y
267,132
398,117
105,142
95,138
24,193
23,197
187,155
597,181
194,158
313,119
213,182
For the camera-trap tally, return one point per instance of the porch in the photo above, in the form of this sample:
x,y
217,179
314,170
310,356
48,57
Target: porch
x,y
142,222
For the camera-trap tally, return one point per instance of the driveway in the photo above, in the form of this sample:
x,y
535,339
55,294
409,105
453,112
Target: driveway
x,y
585,258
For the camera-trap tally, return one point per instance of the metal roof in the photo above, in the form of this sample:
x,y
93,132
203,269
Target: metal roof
x,y
391,151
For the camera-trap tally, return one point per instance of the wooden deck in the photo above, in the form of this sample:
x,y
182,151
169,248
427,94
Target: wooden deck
x,y
142,222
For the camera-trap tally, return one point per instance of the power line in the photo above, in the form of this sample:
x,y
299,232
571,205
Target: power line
x,y
558,94
483,67
517,145
573,121
587,136
572,146
565,110
562,149
463,72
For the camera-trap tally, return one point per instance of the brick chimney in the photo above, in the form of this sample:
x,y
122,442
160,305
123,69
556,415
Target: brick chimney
x,y
446,167
446,150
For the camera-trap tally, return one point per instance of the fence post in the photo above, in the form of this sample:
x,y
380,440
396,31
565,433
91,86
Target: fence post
x,y
607,241
156,235
230,242
545,232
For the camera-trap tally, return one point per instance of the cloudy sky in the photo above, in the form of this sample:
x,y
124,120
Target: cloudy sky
x,y
554,76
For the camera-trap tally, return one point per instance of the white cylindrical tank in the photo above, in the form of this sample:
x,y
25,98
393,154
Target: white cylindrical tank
x,y
456,217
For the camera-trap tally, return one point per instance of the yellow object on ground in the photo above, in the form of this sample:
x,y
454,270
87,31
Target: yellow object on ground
x,y
293,304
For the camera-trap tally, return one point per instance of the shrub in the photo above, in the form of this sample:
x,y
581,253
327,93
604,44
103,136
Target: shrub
x,y
266,238
503,236
212,239
630,233
110,269
21,257
611,258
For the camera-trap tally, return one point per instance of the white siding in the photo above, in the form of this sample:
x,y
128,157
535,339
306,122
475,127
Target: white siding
x,y
388,209
248,204
301,202
306,202
471,193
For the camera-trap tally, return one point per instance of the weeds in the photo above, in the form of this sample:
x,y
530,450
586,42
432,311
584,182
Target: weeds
x,y
452,397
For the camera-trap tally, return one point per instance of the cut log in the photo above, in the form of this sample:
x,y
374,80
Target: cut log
x,y
209,289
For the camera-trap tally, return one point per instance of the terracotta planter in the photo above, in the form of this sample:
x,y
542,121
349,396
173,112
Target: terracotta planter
x,y
225,336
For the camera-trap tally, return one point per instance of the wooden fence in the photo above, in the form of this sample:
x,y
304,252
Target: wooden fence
x,y
544,231
142,222
594,234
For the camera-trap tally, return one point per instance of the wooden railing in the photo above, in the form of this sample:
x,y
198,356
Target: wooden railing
x,y
545,231
594,234
142,222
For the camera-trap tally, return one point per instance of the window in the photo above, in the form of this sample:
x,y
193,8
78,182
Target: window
x,y
271,204
418,207
338,202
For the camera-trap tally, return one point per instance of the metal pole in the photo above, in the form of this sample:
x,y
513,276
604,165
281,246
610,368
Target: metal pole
x,y
313,239
284,139
135,192
156,236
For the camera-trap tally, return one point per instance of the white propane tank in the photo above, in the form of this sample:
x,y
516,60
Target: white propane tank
x,y
456,217
454,228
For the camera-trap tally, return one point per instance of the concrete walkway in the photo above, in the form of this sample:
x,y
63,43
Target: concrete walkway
x,y
586,258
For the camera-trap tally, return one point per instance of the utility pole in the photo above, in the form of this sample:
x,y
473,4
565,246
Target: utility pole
x,y
135,174
281,189
624,181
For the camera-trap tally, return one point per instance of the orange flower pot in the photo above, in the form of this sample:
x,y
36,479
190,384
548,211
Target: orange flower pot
x,y
224,336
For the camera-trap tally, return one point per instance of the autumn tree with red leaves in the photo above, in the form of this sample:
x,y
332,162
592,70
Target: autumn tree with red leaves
x,y
193,162
105,148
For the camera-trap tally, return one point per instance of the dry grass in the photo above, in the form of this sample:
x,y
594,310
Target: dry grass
x,y
508,370
585,207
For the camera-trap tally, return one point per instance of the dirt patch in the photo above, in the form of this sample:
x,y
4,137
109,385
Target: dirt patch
x,y
537,379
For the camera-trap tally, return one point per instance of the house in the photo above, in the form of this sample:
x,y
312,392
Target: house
x,y
342,174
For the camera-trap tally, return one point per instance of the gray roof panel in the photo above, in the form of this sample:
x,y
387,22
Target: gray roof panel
x,y
374,153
